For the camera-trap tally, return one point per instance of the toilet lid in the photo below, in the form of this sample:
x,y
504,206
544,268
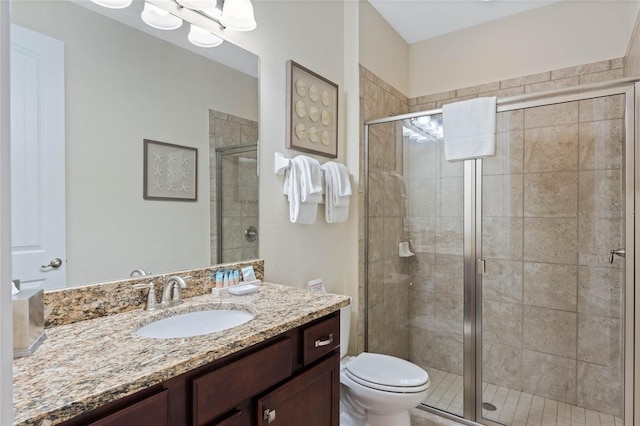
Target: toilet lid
x,y
386,370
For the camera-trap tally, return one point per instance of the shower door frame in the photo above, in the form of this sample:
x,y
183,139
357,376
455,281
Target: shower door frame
x,y
474,263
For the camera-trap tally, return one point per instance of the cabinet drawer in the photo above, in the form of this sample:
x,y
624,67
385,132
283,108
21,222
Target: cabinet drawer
x,y
220,390
321,338
153,410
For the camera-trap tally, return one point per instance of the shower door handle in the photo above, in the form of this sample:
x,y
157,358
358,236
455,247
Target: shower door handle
x,y
619,252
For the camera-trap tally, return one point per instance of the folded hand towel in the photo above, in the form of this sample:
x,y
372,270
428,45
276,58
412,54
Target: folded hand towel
x,y
469,129
310,179
299,211
337,192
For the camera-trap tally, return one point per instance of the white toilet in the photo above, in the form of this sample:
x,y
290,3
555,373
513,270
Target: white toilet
x,y
376,389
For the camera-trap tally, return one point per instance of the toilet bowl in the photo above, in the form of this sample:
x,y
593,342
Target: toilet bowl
x,y
377,389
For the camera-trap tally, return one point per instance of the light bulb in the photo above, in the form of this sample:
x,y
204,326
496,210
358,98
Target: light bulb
x,y
203,38
159,18
113,4
238,15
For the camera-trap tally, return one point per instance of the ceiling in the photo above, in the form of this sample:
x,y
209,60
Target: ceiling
x,y
417,20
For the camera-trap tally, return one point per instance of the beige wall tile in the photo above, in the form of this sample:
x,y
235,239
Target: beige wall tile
x,y
597,238
449,275
549,376
423,107
549,331
616,63
523,81
448,316
504,93
436,97
422,234
392,236
438,350
549,149
600,291
422,270
376,282
440,104
602,145
502,323
551,115
550,240
600,340
450,197
509,156
503,195
421,159
449,236
502,365
606,108
600,388
550,285
376,194
376,331
503,281
376,238
580,70
601,76
552,85
474,90
509,121
502,238
551,194
601,194
421,309
421,196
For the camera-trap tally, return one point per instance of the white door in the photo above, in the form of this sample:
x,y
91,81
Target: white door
x,y
37,159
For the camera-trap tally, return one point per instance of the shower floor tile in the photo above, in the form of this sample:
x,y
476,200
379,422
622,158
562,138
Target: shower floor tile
x,y
513,408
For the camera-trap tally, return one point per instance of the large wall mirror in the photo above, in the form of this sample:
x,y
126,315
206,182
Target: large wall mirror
x,y
89,85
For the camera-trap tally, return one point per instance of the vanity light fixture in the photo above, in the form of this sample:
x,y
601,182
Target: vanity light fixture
x,y
203,38
159,18
238,15
235,15
113,4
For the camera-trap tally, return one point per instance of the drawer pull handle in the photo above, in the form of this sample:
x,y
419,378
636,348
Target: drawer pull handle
x,y
269,415
320,343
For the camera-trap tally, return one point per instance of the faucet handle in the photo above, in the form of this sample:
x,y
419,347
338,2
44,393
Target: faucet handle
x,y
152,302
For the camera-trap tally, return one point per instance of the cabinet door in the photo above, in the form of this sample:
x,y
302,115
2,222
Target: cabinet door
x,y
149,411
310,399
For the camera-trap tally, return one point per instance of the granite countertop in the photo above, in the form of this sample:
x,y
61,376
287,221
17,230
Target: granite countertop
x,y
84,365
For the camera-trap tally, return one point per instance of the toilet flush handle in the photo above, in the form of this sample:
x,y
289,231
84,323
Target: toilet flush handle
x,y
619,252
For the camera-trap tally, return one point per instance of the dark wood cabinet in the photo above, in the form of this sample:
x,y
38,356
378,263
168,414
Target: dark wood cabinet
x,y
307,400
295,376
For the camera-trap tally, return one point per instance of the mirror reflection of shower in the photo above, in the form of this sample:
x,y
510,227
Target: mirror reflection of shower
x,y
423,129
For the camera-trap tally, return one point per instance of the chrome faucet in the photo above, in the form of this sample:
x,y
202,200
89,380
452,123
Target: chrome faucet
x,y
152,303
175,283
139,273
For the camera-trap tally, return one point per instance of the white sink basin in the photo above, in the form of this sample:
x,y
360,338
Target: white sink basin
x,y
195,323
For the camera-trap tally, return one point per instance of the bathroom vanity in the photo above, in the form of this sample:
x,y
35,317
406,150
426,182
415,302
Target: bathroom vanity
x,y
282,367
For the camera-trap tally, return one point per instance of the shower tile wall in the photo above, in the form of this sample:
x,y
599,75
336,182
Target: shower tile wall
x,y
241,196
388,273
552,210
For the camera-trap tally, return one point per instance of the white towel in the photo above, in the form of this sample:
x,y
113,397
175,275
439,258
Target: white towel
x,y
337,188
310,179
469,129
299,211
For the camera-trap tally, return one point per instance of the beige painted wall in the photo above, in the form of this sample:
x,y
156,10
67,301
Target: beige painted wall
x,y
295,254
382,50
122,87
552,37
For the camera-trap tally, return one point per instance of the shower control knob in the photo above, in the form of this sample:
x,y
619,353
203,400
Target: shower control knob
x,y
619,252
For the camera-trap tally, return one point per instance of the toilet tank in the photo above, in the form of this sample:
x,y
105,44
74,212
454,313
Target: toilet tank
x,y
345,328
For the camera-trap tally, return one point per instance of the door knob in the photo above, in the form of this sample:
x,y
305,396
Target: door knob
x,y
55,264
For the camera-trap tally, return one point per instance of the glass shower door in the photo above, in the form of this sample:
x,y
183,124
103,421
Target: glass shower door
x,y
416,297
553,207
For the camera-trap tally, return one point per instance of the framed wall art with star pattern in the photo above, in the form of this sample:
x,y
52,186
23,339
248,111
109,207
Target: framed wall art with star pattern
x,y
170,172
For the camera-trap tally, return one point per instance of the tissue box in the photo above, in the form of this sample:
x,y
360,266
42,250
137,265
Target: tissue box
x,y
28,322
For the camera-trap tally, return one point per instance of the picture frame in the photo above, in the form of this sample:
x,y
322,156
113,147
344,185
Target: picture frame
x,y
312,112
170,172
